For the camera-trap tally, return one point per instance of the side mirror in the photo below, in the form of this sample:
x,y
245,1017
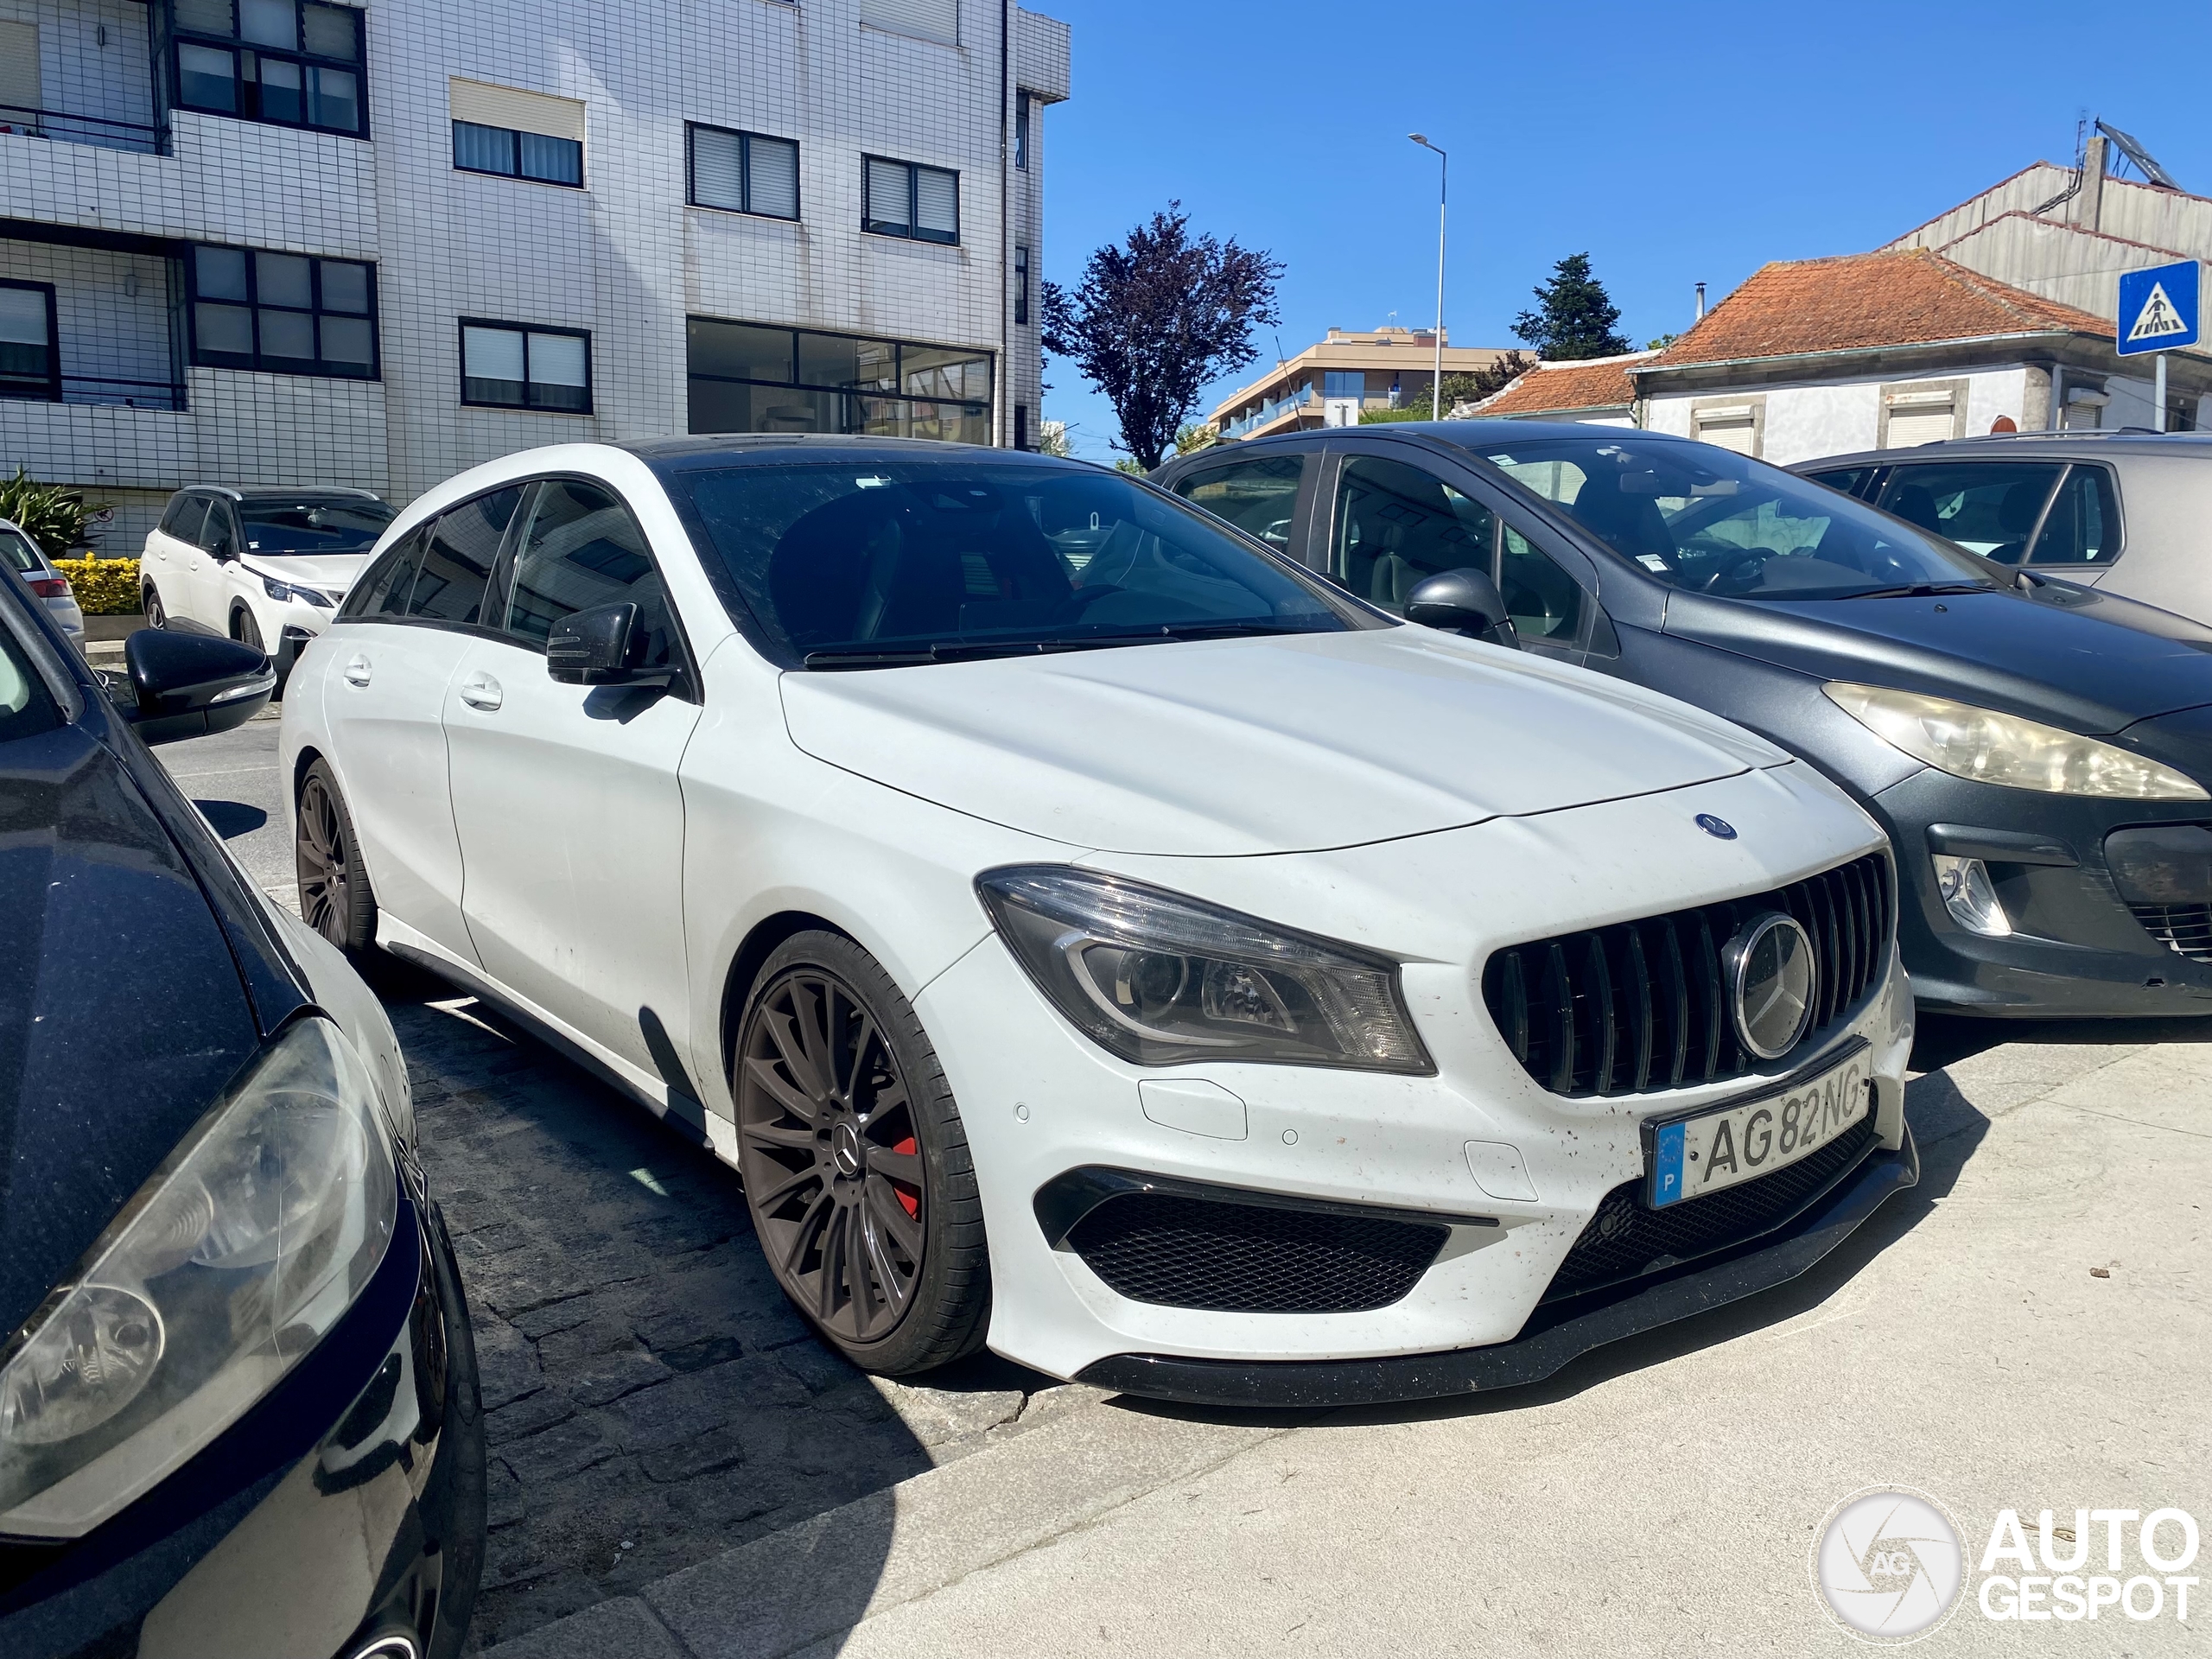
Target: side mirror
x,y
601,646
189,684
1462,601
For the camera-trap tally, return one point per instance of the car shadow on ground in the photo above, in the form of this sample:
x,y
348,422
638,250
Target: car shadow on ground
x,y
1940,1039
651,1398
1947,1128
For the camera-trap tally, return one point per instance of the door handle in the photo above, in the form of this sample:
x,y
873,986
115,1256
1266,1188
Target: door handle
x,y
480,691
357,669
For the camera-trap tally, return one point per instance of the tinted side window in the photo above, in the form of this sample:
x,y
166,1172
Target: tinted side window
x,y
186,517
1259,497
1987,507
2083,525
456,566
1396,524
1543,600
583,549
385,590
219,532
1852,480
172,513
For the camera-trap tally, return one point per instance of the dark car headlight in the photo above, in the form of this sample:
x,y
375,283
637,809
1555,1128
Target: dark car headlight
x,y
1162,979
314,596
226,1269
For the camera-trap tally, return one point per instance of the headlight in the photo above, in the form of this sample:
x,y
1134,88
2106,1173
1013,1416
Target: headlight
x,y
1985,746
282,590
226,1268
1161,979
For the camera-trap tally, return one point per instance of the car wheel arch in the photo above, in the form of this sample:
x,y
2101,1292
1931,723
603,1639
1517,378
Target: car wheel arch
x,y
758,945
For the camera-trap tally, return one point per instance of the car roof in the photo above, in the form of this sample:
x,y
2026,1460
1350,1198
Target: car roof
x,y
759,446
2015,445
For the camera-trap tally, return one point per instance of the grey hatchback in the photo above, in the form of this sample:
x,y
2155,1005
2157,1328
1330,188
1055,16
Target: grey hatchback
x,y
2126,512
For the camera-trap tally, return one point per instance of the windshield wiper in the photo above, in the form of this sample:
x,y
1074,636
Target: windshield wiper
x,y
958,651
1924,590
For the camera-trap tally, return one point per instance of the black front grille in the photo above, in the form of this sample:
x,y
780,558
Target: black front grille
x,y
2185,929
1250,1258
1641,1006
1625,1239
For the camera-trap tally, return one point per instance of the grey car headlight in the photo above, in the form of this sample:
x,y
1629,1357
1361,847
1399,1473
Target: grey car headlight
x,y
1161,979
218,1276
280,590
1985,746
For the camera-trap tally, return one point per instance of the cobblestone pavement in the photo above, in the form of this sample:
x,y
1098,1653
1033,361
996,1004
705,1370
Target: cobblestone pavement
x,y
650,1396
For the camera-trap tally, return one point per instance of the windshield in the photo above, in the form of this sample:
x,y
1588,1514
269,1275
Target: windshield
x,y
884,563
16,548
1715,522
309,526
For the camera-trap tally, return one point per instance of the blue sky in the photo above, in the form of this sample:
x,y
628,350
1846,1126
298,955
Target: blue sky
x,y
1674,146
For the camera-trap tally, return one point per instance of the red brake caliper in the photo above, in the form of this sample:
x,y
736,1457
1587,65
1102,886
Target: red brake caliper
x,y
912,1201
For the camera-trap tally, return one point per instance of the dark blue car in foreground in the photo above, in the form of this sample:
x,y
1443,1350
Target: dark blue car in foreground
x,y
238,1409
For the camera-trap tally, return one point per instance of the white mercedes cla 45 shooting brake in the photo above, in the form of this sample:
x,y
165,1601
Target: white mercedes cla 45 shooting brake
x,y
1089,934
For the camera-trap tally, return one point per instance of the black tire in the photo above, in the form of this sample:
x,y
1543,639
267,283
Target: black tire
x,y
335,899
245,630
151,602
858,1176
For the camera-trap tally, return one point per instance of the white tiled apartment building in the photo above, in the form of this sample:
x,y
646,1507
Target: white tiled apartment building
x,y
295,242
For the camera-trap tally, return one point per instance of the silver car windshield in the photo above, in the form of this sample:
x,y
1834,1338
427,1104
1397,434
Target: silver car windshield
x,y
885,563
1714,522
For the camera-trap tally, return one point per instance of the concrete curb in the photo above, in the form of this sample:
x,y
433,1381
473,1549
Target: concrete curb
x,y
780,1594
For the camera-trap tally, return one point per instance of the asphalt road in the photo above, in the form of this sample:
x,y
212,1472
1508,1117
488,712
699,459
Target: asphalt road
x,y
679,1471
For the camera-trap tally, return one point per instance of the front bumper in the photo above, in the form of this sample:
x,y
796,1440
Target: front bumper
x,y
346,1508
1554,1335
2077,949
1514,1173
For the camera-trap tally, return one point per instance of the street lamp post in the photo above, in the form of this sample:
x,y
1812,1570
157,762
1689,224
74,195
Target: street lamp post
x,y
1443,175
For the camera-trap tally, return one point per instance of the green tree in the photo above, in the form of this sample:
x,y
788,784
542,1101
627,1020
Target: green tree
x,y
1661,343
1575,317
1198,435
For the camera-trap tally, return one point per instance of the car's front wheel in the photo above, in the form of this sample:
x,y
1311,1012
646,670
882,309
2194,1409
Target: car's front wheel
x,y
245,630
855,1165
335,899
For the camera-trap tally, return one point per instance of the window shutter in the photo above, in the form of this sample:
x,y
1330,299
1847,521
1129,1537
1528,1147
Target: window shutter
x,y
504,106
927,20
19,81
775,176
717,178
22,318
1728,428
492,353
206,17
557,360
937,200
886,193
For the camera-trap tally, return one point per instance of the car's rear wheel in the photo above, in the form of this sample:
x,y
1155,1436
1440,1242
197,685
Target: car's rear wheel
x,y
855,1164
151,602
335,899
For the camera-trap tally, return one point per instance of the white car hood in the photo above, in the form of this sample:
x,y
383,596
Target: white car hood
x,y
1274,745
333,573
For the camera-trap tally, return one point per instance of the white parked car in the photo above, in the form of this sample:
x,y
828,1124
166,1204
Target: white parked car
x,y
1087,933
266,567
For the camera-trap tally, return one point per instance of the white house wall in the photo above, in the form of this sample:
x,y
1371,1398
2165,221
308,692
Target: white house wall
x,y
1804,422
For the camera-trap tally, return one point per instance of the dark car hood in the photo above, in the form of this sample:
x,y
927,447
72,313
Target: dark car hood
x,y
122,1011
2069,657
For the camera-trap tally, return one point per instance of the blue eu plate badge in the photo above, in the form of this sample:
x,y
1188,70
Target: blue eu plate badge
x,y
1668,1164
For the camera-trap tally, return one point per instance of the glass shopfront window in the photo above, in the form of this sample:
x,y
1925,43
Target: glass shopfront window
x,y
752,378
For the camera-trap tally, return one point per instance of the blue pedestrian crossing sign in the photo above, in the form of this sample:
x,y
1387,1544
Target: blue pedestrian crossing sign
x,y
2158,308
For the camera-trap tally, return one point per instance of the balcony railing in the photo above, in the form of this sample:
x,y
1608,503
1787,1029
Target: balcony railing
x,y
98,130
110,390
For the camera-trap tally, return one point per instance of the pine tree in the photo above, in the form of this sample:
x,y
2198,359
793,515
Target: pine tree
x,y
1576,317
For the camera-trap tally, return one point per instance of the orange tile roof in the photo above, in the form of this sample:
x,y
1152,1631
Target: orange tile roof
x,y
1861,301
1596,383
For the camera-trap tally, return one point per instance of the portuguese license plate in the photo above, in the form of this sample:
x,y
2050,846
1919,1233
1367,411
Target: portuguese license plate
x,y
1729,1145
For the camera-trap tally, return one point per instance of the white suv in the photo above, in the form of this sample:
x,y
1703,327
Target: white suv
x,y
1088,932
266,567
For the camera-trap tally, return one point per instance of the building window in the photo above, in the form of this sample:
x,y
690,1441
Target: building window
x,y
289,61
1022,131
1022,426
508,366
518,155
1020,283
744,172
253,309
516,135
902,198
29,364
758,378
